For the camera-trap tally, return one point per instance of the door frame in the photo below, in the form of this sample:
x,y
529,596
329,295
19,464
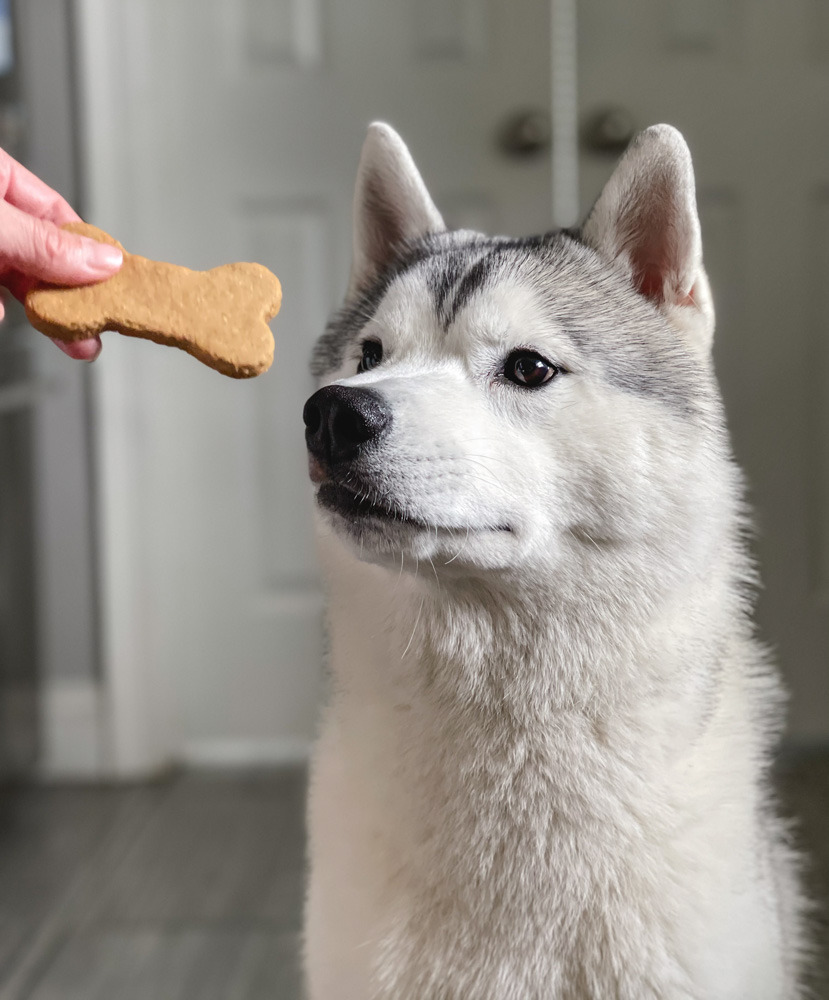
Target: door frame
x,y
135,731
67,608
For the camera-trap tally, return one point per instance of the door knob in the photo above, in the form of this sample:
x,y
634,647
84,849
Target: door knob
x,y
608,130
525,134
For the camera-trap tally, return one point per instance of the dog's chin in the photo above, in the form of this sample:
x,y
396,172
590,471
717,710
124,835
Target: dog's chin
x,y
381,530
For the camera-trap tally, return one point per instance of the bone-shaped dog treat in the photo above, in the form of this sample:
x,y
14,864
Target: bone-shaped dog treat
x,y
219,316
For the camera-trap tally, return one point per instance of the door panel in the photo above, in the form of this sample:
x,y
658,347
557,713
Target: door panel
x,y
233,132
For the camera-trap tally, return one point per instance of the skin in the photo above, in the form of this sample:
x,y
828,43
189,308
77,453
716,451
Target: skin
x,y
34,248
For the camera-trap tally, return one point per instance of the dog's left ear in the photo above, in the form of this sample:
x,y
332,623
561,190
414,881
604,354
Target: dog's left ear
x,y
645,221
391,205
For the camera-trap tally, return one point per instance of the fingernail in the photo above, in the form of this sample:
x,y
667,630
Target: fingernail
x,y
104,257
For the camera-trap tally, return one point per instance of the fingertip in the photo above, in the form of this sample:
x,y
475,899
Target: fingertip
x,y
101,259
80,350
62,212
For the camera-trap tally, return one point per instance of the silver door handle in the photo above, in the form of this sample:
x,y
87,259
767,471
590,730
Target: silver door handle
x,y
525,134
608,130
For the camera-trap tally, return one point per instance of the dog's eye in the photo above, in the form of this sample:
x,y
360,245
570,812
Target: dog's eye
x,y
372,356
529,369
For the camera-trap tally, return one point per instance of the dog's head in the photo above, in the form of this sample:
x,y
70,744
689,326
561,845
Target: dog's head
x,y
534,405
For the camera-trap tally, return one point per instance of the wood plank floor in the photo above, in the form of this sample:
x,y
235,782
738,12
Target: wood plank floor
x,y
191,888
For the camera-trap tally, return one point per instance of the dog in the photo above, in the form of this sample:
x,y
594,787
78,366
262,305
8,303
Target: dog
x,y
542,769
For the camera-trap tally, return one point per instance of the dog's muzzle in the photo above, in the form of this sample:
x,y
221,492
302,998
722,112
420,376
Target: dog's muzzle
x,y
341,420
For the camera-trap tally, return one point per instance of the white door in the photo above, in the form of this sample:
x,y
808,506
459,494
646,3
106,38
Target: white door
x,y
748,84
231,129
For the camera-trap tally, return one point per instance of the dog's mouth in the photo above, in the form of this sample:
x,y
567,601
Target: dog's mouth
x,y
356,502
360,503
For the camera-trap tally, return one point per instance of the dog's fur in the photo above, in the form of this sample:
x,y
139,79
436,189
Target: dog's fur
x,y
542,769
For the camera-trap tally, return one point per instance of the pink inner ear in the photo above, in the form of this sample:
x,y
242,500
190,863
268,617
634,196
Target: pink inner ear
x,y
649,281
654,257
690,298
654,242
648,243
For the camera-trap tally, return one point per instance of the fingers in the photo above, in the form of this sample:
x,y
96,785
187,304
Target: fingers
x,y
20,187
39,249
18,284
80,350
33,248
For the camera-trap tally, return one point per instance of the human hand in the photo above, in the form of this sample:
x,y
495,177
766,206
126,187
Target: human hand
x,y
33,247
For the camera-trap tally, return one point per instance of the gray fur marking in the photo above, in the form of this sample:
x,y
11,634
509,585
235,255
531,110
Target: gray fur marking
x,y
620,334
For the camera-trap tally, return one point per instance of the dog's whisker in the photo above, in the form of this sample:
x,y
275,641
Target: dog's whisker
x,y
437,578
455,556
417,622
400,573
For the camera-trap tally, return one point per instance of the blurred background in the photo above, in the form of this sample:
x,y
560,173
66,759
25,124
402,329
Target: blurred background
x,y
161,644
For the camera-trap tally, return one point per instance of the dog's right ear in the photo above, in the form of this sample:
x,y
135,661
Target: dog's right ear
x,y
391,205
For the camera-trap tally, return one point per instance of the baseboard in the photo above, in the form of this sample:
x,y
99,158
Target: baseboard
x,y
243,753
72,745
71,726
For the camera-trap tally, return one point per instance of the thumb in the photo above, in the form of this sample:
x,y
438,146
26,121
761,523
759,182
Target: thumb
x,y
38,249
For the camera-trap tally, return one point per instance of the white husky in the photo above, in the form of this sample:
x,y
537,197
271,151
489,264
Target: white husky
x,y
542,769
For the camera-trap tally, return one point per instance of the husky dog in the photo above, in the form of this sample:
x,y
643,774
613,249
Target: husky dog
x,y
542,769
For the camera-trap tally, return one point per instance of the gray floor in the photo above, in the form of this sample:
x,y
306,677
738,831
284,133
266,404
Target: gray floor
x,y
192,887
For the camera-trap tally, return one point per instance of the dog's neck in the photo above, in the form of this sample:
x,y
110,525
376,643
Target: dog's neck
x,y
497,660
491,732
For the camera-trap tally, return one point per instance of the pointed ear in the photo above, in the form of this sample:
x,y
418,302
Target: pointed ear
x,y
645,221
391,204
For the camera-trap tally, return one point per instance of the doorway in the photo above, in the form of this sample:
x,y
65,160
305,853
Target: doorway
x,y
231,131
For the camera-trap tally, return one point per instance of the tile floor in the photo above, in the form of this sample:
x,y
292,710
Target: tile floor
x,y
192,887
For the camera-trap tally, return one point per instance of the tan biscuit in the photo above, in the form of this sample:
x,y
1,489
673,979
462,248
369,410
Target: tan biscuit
x,y
219,316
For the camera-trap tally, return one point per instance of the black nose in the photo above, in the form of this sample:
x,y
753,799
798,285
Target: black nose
x,y
339,420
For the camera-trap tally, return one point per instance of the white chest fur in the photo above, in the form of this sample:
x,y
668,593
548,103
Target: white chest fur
x,y
475,833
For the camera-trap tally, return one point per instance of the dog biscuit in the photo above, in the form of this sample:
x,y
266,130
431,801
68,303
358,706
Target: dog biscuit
x,y
219,316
